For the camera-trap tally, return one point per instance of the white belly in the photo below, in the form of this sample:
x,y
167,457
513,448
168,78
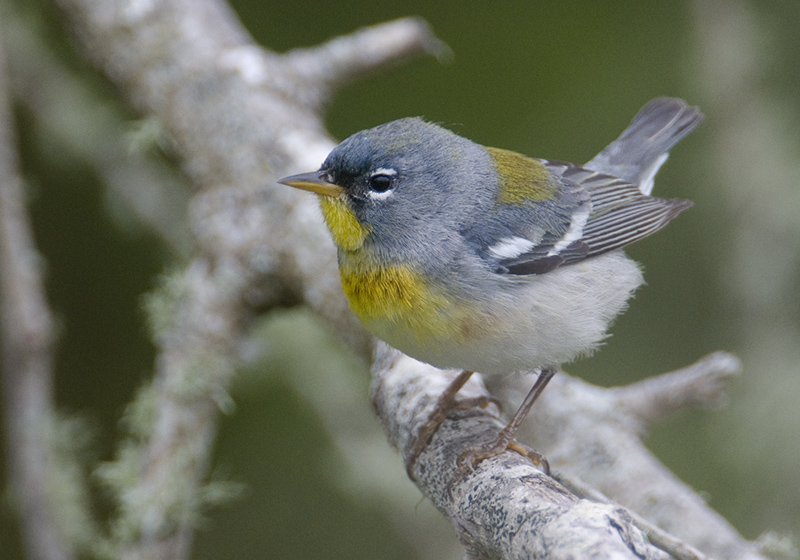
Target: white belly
x,y
536,321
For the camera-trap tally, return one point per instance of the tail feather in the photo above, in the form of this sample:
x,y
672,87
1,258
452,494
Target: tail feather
x,y
642,148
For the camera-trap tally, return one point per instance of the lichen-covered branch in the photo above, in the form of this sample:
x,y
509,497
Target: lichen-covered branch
x,y
320,70
229,109
62,104
700,384
594,435
585,433
505,508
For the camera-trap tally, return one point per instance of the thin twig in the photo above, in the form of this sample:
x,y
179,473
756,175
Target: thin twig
x,y
325,67
700,384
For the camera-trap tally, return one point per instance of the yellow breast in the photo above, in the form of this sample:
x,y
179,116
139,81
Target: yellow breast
x,y
395,302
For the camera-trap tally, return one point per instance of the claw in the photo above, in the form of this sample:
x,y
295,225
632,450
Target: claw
x,y
446,403
473,455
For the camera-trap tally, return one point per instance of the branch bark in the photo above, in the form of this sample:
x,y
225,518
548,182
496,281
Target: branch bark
x,y
587,434
505,508
603,429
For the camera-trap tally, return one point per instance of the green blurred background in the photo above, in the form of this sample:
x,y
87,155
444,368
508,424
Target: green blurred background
x,y
552,79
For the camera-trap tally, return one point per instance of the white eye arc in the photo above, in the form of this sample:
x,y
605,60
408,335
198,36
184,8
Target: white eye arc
x,y
385,171
380,182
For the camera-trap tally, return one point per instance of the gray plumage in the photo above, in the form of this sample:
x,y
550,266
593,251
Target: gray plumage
x,y
542,278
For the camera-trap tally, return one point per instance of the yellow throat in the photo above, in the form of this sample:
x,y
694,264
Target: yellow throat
x,y
385,297
348,233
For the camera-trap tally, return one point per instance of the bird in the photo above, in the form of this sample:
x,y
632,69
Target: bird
x,y
485,260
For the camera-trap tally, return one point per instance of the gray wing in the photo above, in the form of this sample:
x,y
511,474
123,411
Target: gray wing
x,y
617,214
607,201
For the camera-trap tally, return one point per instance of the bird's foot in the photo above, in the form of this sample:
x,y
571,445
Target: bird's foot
x,y
505,439
446,404
504,442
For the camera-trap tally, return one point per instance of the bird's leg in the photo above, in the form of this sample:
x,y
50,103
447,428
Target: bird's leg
x,y
505,439
446,403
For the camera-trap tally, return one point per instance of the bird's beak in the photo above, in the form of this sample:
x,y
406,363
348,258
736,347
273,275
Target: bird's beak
x,y
313,182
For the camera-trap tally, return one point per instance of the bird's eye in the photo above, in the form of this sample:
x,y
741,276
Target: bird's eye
x,y
380,182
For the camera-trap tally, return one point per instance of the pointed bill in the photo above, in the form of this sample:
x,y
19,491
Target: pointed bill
x,y
312,182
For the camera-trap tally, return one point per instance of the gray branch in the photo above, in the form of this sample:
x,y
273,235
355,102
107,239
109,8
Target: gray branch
x,y
321,70
505,508
26,331
62,104
586,434
604,427
260,245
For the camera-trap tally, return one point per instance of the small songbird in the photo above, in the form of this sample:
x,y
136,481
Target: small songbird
x,y
482,259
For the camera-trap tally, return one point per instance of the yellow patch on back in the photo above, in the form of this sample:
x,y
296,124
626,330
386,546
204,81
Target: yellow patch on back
x,y
397,299
348,233
522,178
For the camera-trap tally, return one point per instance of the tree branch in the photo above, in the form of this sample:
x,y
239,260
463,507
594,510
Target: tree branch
x,y
506,508
26,330
700,384
582,431
321,70
594,435
260,244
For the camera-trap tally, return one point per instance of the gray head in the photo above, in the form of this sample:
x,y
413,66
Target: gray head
x,y
400,179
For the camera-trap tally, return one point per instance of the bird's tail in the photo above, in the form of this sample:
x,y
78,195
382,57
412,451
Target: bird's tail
x,y
642,148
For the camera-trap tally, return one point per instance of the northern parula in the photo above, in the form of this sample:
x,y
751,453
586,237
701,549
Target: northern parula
x,y
483,259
